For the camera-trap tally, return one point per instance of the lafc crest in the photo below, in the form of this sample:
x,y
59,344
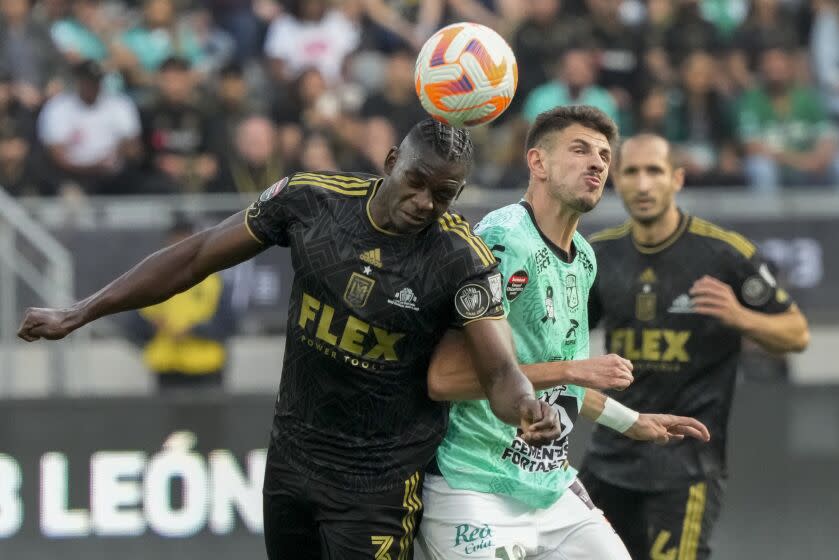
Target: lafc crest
x,y
358,290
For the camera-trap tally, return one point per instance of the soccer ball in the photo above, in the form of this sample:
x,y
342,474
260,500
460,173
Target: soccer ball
x,y
466,75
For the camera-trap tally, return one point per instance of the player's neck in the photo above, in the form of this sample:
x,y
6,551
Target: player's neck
x,y
658,231
556,221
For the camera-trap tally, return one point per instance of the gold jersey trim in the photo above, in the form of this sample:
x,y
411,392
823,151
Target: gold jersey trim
x,y
611,233
705,228
458,226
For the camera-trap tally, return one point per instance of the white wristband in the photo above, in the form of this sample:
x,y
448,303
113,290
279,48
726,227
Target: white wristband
x,y
617,416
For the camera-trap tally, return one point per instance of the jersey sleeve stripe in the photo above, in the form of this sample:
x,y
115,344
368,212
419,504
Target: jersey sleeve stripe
x,y
338,180
737,241
446,224
328,186
463,225
250,231
611,233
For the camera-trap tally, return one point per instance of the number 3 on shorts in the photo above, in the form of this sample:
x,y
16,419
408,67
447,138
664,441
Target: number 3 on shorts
x,y
509,552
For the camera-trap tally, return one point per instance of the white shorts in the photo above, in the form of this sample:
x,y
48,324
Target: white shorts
x,y
468,524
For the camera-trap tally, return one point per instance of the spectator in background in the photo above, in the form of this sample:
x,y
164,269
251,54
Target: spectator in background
x,y
768,26
700,125
690,32
255,161
28,54
310,34
317,153
824,48
379,137
310,105
230,105
725,15
502,15
92,136
398,24
541,38
19,174
575,85
653,110
788,137
661,19
84,35
141,50
618,56
176,132
242,20
184,339
397,102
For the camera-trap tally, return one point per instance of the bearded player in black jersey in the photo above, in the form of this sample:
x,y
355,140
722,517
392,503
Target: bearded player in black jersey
x,y
382,269
675,294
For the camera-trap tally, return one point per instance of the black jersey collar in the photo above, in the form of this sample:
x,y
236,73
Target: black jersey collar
x,y
560,254
684,220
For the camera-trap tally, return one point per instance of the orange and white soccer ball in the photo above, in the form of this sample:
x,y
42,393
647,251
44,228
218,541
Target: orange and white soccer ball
x,y
466,75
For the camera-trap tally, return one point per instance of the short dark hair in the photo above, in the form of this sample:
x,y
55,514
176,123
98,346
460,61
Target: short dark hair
x,y
560,118
89,70
450,143
174,63
641,137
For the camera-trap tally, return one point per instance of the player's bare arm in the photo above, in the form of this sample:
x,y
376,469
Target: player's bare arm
x,y
155,279
778,332
510,393
452,375
659,428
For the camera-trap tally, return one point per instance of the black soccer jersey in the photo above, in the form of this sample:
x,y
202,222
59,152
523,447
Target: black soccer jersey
x,y
367,308
685,363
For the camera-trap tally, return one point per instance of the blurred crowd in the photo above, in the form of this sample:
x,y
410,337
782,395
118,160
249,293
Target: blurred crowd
x,y
186,96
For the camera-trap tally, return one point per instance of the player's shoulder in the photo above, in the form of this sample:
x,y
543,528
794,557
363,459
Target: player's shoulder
x,y
507,226
456,235
719,238
506,217
611,234
610,239
332,185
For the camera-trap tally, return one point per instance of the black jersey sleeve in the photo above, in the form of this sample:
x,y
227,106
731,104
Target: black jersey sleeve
x,y
595,307
474,273
277,208
756,286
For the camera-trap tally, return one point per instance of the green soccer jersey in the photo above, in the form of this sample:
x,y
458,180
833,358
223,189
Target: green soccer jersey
x,y
545,299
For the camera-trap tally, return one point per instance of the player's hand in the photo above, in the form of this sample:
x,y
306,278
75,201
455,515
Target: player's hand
x,y
52,324
603,372
539,422
664,428
715,298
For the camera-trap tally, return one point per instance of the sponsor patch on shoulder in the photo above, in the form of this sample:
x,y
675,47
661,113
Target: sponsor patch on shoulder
x,y
471,301
273,190
756,291
516,284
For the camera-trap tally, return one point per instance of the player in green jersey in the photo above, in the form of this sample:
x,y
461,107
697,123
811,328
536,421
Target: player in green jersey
x,y
490,495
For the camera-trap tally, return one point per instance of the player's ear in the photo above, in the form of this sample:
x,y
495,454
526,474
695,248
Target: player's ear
x,y
536,163
678,179
390,160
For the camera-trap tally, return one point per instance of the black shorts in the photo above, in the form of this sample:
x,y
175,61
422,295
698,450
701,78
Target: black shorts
x,y
668,524
306,520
